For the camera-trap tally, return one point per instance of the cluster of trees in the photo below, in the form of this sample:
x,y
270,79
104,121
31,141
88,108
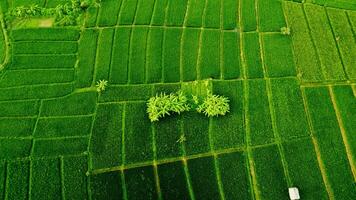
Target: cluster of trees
x,y
63,14
165,104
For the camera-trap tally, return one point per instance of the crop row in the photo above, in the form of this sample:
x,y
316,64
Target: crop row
x,y
324,41
191,13
150,55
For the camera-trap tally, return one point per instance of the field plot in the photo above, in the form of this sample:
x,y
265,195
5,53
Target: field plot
x,y
287,67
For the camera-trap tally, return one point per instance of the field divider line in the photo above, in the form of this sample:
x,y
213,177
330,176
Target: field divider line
x,y
181,68
44,69
35,42
154,150
255,193
19,117
89,157
321,165
6,43
351,25
343,133
297,69
198,70
328,83
337,44
123,150
112,54
221,42
322,67
353,87
184,161
98,40
216,164
67,116
60,138
164,26
277,134
44,54
32,149
36,85
113,42
119,14
61,169
272,110
6,181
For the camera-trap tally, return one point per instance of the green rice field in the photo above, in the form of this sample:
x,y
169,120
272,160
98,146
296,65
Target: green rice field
x,y
292,119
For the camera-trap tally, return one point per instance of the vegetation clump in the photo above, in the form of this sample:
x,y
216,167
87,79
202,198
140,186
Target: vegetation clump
x,y
101,85
67,14
165,104
285,31
214,105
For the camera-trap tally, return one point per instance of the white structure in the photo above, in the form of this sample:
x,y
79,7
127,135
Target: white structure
x,y
294,193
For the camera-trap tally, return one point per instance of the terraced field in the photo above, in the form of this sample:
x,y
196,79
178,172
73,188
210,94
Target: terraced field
x,y
293,101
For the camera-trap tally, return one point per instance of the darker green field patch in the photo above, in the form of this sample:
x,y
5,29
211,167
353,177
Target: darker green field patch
x,y
228,131
271,182
74,178
278,56
207,187
15,148
14,78
137,56
154,55
289,111
304,170
109,11
329,139
65,146
126,93
18,174
252,53
102,65
74,104
232,65
16,127
106,186
138,134
19,108
86,58
210,55
106,139
259,114
61,127
43,170
140,183
234,175
171,53
42,61
47,34
173,182
120,56
145,11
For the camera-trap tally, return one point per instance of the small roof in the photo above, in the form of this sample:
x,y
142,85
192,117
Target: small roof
x,y
294,193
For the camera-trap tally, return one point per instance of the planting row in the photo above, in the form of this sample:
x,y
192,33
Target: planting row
x,y
191,13
324,41
150,55
138,140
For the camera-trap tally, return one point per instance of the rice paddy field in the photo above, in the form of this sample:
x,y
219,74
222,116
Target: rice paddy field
x,y
292,119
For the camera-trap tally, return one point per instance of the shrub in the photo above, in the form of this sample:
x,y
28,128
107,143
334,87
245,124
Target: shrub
x,y
101,85
214,105
163,104
285,31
